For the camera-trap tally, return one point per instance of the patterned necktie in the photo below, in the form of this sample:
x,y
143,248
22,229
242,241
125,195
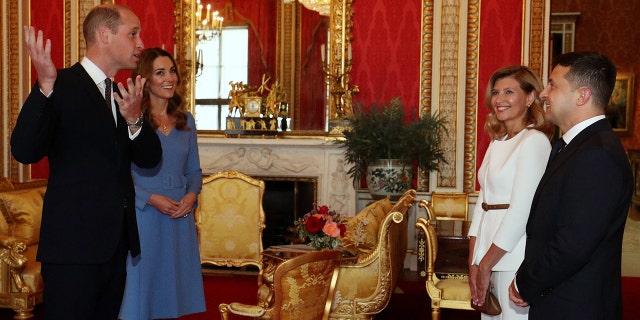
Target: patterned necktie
x,y
557,147
107,92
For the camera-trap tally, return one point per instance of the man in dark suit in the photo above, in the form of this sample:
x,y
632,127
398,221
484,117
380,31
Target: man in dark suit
x,y
571,268
90,135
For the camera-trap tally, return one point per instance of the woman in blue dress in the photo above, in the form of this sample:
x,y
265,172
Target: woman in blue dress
x,y
165,280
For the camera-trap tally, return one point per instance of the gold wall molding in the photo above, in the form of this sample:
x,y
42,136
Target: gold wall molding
x,y
451,28
471,97
538,12
74,13
184,39
15,80
426,74
286,53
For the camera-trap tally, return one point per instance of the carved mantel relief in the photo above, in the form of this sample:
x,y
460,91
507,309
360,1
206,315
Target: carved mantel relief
x,y
285,158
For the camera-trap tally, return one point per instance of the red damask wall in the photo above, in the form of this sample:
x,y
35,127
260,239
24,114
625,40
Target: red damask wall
x,y
386,50
610,27
157,23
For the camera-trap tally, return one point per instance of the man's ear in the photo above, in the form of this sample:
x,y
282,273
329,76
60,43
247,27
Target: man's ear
x,y
584,96
104,34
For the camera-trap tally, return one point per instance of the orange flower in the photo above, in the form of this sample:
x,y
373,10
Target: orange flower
x,y
331,229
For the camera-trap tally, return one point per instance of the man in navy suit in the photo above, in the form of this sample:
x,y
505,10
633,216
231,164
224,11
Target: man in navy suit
x,y
91,132
571,268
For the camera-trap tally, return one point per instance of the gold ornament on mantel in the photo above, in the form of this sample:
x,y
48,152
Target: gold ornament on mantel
x,y
256,111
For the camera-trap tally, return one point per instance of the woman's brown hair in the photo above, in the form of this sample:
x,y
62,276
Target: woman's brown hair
x,y
145,69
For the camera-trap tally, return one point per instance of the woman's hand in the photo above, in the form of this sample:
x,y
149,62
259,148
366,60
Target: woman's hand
x,y
164,204
483,282
185,205
473,282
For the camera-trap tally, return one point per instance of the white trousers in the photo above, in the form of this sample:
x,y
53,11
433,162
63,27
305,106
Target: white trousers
x,y
501,281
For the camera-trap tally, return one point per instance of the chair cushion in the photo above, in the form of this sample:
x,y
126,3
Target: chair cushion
x,y
455,289
22,211
362,230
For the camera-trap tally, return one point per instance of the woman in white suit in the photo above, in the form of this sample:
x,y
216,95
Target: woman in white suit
x,y
508,177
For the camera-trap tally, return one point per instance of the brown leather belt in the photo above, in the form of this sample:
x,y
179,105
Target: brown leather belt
x,y
487,207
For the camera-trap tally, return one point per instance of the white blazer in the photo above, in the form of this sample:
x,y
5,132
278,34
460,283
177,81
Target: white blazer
x,y
509,174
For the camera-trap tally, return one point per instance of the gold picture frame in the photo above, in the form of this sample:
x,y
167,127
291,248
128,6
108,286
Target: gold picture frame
x,y
620,110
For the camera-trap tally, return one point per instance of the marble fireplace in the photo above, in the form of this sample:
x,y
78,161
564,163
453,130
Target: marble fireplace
x,y
315,166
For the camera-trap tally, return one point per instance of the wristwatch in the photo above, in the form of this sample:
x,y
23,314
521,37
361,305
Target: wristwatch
x,y
136,124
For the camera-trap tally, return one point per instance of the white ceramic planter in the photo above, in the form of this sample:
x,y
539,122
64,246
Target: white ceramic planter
x,y
388,177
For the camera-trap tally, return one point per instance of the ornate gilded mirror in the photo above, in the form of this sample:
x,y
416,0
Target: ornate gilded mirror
x,y
289,59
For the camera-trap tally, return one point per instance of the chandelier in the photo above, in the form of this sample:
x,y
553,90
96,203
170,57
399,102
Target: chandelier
x,y
208,25
321,6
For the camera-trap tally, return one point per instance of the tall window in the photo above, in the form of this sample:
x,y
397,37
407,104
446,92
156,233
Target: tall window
x,y
221,59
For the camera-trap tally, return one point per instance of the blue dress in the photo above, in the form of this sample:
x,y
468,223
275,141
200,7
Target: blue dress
x,y
165,280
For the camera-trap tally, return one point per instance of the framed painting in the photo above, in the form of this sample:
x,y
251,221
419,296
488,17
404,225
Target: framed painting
x,y
619,111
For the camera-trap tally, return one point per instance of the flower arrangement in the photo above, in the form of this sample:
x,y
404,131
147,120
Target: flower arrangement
x,y
322,227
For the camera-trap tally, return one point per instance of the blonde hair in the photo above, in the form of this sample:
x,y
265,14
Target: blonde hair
x,y
529,82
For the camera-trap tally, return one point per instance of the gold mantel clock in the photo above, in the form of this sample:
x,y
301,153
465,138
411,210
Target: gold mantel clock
x,y
252,106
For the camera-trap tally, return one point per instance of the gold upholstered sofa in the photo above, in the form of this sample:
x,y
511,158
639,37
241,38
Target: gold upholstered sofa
x,y
20,281
378,237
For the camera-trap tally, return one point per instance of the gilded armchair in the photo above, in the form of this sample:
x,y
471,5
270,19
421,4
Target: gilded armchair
x,y
21,284
364,289
450,293
230,220
302,289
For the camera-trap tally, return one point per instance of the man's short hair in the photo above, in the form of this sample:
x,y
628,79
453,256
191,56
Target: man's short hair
x,y
102,15
592,70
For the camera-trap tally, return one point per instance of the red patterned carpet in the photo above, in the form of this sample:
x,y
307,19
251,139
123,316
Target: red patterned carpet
x,y
410,300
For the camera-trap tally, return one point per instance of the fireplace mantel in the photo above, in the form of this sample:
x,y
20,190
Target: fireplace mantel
x,y
315,158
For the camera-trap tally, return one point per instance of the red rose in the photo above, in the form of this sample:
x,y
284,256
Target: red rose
x,y
314,224
323,210
343,229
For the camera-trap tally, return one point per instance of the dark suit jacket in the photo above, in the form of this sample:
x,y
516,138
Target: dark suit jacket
x,y
90,189
571,268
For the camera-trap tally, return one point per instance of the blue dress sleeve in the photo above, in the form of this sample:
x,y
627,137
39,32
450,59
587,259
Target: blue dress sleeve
x,y
193,171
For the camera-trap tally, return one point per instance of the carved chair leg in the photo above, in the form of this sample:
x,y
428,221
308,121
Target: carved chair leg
x,y
435,313
23,314
224,315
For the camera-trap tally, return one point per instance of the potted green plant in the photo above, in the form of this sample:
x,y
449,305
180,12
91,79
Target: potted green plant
x,y
386,146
